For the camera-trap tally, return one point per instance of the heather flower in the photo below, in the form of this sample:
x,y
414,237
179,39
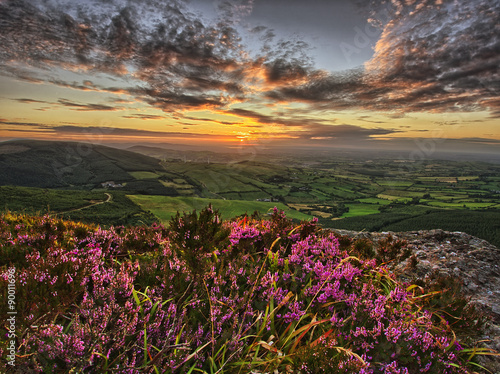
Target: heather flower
x,y
204,292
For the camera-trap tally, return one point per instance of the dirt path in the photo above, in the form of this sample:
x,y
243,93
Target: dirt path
x,y
108,199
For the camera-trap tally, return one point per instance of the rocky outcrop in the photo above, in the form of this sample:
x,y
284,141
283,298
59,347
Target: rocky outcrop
x,y
473,261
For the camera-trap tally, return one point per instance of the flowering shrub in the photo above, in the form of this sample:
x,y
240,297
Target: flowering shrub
x,y
208,296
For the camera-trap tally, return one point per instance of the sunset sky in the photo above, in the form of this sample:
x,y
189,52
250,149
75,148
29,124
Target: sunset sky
x,y
315,73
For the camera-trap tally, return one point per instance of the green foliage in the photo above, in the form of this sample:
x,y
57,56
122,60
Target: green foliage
x,y
119,211
65,164
484,224
451,195
42,200
196,238
166,207
149,187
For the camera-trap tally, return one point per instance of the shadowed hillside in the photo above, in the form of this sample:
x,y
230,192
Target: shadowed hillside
x,y
32,163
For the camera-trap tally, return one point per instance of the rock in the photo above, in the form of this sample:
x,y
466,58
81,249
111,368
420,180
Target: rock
x,y
472,260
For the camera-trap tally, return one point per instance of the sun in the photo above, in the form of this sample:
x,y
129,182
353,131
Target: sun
x,y
243,136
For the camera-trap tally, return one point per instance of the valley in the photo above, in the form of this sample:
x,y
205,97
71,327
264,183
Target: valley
x,y
372,192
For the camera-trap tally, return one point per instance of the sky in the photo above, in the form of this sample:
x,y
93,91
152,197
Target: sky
x,y
266,74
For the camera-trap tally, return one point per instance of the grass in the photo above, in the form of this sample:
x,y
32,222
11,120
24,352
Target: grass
x,y
403,193
165,207
144,175
461,204
360,210
31,200
373,200
119,211
387,197
330,182
483,223
394,183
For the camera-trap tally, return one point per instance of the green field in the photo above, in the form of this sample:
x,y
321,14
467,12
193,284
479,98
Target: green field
x,y
343,190
100,207
41,200
360,210
165,207
144,175
394,183
374,200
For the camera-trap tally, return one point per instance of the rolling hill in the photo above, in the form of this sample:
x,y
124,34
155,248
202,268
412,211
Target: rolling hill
x,y
345,192
31,163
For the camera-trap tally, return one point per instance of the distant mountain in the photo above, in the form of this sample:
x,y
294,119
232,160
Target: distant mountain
x,y
47,164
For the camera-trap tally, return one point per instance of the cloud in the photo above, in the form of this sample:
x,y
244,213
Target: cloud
x,y
210,120
480,140
246,113
144,116
233,11
85,86
443,55
30,101
22,124
176,59
312,128
93,130
366,119
87,107
112,131
344,131
279,119
67,103
429,58
432,56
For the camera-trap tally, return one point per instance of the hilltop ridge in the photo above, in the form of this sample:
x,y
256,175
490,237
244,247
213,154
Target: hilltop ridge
x,y
56,164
